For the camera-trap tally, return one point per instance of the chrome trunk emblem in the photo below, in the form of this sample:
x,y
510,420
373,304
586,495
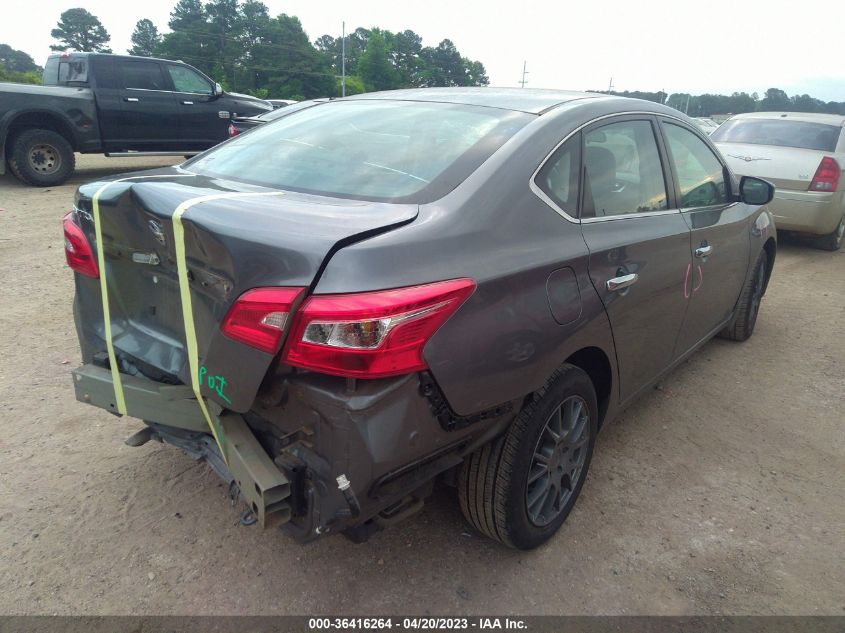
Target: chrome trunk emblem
x,y
747,159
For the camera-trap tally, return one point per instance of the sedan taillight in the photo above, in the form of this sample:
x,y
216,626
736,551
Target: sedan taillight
x,y
827,175
259,316
78,252
372,334
233,131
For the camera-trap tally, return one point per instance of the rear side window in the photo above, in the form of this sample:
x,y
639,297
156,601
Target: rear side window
x,y
783,133
73,70
141,75
558,178
186,80
701,176
622,170
393,151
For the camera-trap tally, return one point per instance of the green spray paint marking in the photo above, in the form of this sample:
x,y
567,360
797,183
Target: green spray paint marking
x,y
216,383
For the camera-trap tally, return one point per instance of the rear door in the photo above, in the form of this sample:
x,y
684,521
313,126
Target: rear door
x,y
199,111
639,244
720,232
148,107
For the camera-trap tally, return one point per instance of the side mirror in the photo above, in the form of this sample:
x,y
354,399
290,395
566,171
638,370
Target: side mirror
x,y
755,191
218,90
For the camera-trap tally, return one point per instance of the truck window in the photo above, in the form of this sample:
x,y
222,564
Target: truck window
x,y
73,70
51,72
186,80
141,75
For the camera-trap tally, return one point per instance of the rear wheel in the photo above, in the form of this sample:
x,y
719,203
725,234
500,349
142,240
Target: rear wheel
x,y
520,488
832,241
41,157
748,306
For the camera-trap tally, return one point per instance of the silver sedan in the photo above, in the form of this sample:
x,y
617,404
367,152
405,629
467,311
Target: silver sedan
x,y
803,155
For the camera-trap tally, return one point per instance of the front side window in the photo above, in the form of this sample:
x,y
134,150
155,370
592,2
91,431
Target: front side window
x,y
780,132
396,151
701,177
186,80
141,75
622,170
558,178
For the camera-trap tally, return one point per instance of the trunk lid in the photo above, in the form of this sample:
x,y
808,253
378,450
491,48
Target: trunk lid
x,y
785,167
232,244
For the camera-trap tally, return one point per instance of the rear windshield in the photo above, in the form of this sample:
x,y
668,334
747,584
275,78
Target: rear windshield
x,y
394,151
800,134
64,70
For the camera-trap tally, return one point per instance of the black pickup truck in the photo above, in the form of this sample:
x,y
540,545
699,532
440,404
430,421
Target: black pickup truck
x,y
116,105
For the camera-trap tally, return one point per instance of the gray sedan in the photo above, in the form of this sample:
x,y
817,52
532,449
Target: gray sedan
x,y
373,294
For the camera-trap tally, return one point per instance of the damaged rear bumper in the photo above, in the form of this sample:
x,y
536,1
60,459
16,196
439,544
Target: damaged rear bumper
x,y
177,419
342,457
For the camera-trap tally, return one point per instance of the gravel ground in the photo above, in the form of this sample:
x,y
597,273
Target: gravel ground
x,y
719,492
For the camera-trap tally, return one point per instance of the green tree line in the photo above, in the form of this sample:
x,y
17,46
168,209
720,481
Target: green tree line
x,y
18,67
705,105
239,44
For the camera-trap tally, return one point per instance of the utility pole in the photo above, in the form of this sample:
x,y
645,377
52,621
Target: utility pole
x,y
524,72
610,85
686,109
343,61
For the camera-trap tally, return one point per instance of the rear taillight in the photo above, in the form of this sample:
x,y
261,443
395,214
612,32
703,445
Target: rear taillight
x,y
78,251
233,131
372,334
258,317
827,175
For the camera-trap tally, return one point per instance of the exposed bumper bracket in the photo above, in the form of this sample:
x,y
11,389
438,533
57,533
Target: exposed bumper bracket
x,y
175,417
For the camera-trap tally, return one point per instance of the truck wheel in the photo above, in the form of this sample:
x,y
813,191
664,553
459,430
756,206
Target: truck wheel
x,y
832,241
520,488
748,306
42,158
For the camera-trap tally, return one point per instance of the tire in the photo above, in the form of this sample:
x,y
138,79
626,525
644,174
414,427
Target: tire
x,y
748,306
494,491
832,241
42,158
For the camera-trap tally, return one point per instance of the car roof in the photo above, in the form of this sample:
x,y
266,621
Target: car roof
x,y
807,117
137,57
531,100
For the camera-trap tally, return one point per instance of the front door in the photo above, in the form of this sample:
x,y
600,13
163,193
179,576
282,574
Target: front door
x,y
720,228
148,108
639,245
200,122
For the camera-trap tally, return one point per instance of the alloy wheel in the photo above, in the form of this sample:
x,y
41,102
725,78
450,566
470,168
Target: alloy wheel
x,y
558,461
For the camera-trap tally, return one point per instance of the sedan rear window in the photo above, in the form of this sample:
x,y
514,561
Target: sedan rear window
x,y
801,134
395,151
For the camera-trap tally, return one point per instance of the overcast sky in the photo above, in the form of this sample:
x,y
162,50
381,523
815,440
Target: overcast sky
x,y
718,46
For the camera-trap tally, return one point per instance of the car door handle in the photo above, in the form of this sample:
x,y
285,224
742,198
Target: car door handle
x,y
703,251
624,281
131,99
187,103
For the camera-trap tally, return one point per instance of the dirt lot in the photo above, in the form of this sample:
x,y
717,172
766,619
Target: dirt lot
x,y
719,492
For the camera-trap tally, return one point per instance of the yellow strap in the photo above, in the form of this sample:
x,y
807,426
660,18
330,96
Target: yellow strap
x,y
187,306
104,294
120,401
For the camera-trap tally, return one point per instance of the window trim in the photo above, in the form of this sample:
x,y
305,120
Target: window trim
x,y
726,172
668,175
549,199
